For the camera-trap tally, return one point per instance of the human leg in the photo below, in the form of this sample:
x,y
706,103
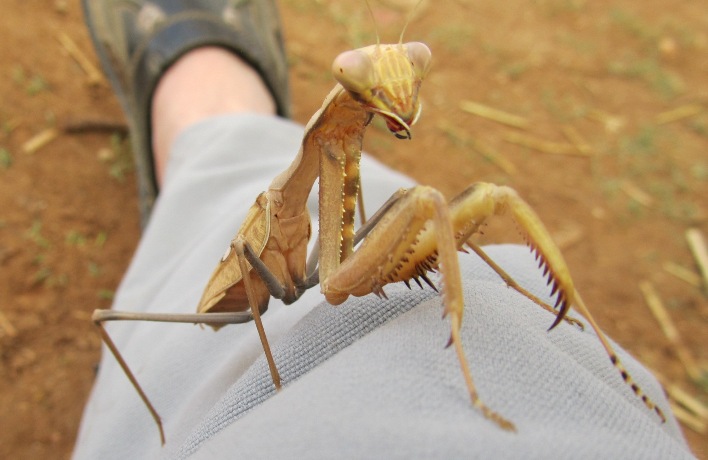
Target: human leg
x,y
139,41
227,85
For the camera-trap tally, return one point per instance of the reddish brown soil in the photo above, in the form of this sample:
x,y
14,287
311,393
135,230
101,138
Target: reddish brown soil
x,y
68,215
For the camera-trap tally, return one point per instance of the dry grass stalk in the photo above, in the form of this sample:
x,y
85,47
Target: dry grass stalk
x,y
39,140
688,419
494,157
687,401
541,145
481,110
569,236
679,113
487,152
697,244
577,140
95,77
81,315
667,326
689,410
682,273
637,194
7,326
612,123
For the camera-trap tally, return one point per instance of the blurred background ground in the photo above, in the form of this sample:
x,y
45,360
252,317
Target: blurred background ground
x,y
611,149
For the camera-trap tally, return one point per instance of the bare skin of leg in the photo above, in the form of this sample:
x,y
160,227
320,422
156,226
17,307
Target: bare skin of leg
x,y
204,82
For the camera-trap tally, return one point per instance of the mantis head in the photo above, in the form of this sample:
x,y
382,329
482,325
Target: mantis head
x,y
386,79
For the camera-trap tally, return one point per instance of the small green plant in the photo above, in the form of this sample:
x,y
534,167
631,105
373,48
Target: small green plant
x,y
74,238
5,158
101,238
650,71
94,269
39,259
563,107
699,171
633,24
643,143
36,85
41,276
18,75
699,125
34,234
106,294
121,161
60,280
514,70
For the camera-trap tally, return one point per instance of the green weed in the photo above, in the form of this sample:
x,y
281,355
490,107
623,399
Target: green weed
x,y
633,24
699,171
17,74
58,281
101,238
39,259
643,143
648,70
121,162
34,234
5,158
36,85
74,238
514,70
41,276
106,294
564,108
579,45
699,125
94,269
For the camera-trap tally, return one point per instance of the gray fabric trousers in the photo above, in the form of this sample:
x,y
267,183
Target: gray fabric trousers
x,y
370,378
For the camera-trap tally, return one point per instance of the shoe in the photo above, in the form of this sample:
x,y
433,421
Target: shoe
x,y
137,41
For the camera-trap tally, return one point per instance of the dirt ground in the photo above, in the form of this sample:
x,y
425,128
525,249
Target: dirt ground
x,y
598,81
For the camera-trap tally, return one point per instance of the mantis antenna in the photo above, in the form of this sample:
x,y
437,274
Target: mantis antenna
x,y
408,21
373,19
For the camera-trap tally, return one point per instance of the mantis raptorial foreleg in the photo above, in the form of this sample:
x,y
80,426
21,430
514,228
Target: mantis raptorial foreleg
x,y
411,239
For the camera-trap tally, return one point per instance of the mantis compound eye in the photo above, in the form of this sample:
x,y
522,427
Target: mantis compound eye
x,y
420,57
354,71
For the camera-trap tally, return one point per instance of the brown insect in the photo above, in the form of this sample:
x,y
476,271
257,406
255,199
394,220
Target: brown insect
x,y
417,231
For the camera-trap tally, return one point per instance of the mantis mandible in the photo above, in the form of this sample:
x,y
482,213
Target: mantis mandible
x,y
417,231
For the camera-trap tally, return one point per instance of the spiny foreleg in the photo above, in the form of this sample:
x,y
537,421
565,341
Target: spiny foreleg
x,y
416,226
483,200
580,305
511,282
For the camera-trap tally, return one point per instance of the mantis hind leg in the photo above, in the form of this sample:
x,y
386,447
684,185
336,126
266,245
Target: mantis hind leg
x,y
240,247
101,316
244,253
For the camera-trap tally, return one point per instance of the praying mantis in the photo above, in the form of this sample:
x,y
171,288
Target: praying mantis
x,y
417,231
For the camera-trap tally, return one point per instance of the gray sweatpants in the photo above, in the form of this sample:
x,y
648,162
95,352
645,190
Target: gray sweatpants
x,y
370,378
